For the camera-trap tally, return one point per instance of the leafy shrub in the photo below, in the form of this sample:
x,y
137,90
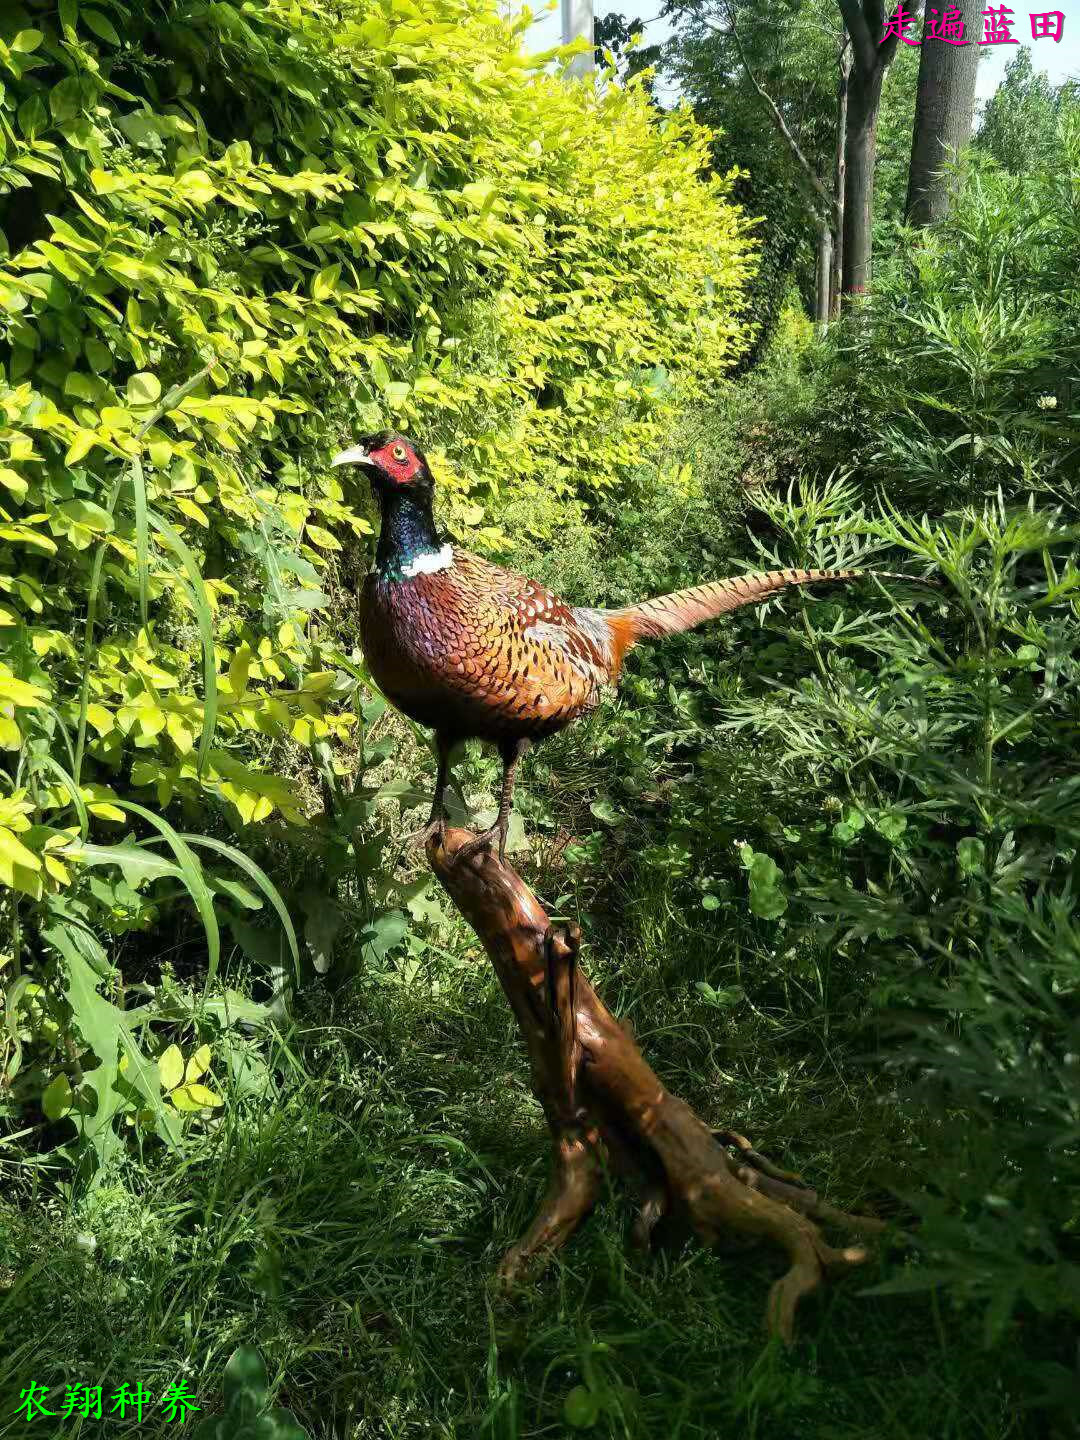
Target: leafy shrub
x,y
869,801
941,885
238,234
966,371
919,758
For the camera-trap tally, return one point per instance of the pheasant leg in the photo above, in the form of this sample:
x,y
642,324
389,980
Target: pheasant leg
x,y
511,752
436,826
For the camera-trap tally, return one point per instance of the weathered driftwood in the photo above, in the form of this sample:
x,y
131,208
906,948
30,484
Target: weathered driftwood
x,y
606,1108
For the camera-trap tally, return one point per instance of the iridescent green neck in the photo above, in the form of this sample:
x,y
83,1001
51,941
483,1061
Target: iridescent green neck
x,y
407,533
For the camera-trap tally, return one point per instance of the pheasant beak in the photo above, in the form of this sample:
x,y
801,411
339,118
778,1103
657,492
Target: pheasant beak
x,y
357,455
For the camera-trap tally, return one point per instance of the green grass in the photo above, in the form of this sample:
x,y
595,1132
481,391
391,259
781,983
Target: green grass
x,y
348,1222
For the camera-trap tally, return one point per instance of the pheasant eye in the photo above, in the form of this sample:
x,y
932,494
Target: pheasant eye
x,y
399,452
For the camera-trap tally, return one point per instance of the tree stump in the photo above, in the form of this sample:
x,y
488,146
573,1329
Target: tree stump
x,y
607,1110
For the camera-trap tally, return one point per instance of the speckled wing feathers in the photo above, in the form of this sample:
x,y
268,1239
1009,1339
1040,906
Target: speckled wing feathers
x,y
477,650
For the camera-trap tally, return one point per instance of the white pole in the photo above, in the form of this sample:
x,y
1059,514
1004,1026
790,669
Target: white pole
x,y
577,19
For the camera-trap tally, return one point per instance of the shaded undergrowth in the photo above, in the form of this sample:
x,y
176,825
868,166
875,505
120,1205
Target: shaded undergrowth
x,y
347,1220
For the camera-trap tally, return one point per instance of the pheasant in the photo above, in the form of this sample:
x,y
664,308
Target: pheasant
x,y
474,651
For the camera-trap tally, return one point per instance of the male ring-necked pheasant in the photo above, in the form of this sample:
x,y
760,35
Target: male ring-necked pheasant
x,y
477,652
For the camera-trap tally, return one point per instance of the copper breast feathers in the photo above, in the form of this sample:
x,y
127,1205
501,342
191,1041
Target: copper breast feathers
x,y
474,650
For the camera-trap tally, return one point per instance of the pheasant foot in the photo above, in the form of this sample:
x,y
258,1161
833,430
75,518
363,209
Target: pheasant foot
x,y
435,829
483,841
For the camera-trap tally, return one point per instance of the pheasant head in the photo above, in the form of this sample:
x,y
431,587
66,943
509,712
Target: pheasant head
x,y
393,462
404,489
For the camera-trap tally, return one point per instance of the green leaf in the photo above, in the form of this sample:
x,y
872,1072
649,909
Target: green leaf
x,y
171,1067
143,389
892,826
69,17
66,99
56,1098
244,897
971,855
246,1380
101,26
721,999
109,1032
86,513
383,933
321,928
194,1097
325,282
278,1424
767,897
604,810
32,116
581,1408
134,861
197,1064
26,41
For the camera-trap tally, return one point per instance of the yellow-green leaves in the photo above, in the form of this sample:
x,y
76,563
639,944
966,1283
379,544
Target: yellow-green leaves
x,y
143,389
180,1079
325,282
16,694
20,867
528,272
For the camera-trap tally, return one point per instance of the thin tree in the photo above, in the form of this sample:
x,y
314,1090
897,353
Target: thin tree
x,y
840,173
944,107
827,208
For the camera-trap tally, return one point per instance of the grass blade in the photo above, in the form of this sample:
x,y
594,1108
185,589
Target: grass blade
x,y
259,877
191,870
88,639
142,538
47,762
206,631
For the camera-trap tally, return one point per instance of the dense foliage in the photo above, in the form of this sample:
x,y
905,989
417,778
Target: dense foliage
x,y
911,842
234,237
824,855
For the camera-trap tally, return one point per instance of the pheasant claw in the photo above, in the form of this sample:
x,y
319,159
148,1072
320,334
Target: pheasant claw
x,y
435,829
483,841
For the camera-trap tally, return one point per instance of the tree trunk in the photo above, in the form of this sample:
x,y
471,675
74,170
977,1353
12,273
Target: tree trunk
x,y
873,45
608,1112
864,96
823,289
944,109
840,178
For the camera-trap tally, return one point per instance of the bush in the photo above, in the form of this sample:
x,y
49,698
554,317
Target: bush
x,y
920,858
239,234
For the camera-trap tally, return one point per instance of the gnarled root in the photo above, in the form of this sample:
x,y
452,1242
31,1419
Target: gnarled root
x,y
606,1108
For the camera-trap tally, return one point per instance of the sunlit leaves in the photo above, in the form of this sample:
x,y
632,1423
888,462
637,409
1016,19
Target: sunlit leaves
x,y
492,261
180,1079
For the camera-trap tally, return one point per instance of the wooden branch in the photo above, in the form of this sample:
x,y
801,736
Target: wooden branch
x,y
831,213
607,1109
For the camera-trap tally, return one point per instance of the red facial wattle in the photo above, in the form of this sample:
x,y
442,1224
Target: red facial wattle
x,y
400,469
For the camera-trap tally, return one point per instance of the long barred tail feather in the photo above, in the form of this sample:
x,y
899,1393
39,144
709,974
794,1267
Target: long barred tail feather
x,y
672,614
